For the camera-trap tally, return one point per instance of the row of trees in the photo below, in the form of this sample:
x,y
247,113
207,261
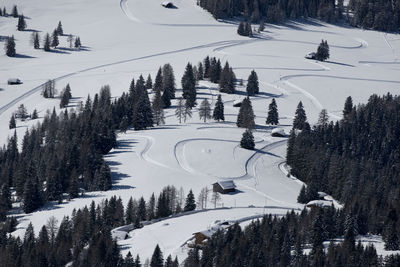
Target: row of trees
x,y
281,241
380,15
275,11
14,12
356,161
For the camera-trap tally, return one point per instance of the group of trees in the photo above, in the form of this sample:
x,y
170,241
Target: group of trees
x,y
63,154
281,241
14,12
275,11
356,161
322,51
86,238
381,15
244,29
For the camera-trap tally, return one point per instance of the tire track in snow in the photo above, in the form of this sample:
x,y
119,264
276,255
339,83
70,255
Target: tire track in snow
x,y
150,141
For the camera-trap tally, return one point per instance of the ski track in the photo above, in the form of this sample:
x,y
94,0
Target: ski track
x,y
150,141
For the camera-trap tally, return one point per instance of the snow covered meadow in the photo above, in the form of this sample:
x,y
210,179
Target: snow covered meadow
x,y
125,38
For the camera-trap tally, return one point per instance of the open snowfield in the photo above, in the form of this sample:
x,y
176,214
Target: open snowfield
x,y
124,38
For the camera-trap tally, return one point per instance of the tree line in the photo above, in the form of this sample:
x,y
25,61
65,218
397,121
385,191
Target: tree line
x,y
283,241
84,239
356,160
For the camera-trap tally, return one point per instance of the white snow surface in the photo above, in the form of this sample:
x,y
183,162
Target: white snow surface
x,y
124,38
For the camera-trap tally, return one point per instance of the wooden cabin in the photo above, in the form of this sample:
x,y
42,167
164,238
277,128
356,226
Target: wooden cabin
x,y
224,187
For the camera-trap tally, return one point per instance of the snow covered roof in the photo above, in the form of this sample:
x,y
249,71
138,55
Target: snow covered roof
x,y
278,131
167,3
227,184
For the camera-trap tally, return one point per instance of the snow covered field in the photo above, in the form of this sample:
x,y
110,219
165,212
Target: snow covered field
x,y
124,38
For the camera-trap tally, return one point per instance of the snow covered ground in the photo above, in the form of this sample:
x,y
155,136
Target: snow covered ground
x,y
124,38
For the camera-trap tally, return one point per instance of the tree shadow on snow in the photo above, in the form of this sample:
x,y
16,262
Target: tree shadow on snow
x,y
23,56
31,30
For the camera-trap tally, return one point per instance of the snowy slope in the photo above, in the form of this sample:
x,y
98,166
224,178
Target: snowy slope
x,y
125,38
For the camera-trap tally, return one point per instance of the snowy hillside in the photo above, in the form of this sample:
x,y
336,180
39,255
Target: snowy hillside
x,y
125,38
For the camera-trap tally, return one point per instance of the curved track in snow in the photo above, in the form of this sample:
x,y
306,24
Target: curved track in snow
x,y
143,154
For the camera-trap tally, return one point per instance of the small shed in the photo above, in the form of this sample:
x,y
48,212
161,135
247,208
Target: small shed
x,y
224,187
278,132
12,81
168,4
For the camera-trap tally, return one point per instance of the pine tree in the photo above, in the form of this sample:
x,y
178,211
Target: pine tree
x,y
227,80
32,198
14,12
59,29
189,86
205,110
12,124
168,82
252,84
247,141
21,23
46,44
241,29
273,117
149,82
246,116
200,71
322,51
34,115
262,26
302,198
157,106
21,112
206,67
190,203
157,258
10,47
142,113
218,113
36,40
300,118
78,43
65,97
348,108
158,82
54,39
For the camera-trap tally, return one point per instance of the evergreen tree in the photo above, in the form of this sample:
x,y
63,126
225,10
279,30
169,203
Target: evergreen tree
x,y
200,72
168,82
70,40
12,124
54,39
149,82
14,11
158,82
252,84
142,114
10,47
247,141
65,97
246,116
348,108
322,51
157,258
46,44
273,117
78,43
157,106
36,40
189,86
34,115
262,26
187,112
241,29
59,29
206,67
32,196
190,203
218,113
300,118
227,80
21,23
205,110
302,198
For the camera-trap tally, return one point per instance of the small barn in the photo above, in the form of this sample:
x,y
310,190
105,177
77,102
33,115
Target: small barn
x,y
13,81
168,4
200,238
224,187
